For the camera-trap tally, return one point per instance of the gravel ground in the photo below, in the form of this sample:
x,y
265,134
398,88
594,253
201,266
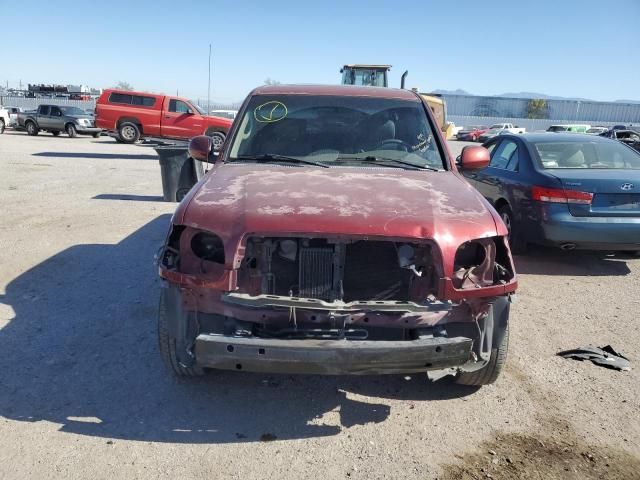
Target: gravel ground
x,y
83,392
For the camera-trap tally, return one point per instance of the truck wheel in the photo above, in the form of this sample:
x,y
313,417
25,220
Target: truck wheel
x,y
32,128
168,343
96,135
490,372
1,126
217,139
55,133
129,132
71,131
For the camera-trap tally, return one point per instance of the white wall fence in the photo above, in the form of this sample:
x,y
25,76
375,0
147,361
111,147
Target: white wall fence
x,y
30,103
528,123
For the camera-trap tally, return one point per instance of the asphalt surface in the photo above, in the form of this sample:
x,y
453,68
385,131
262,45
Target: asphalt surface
x,y
84,394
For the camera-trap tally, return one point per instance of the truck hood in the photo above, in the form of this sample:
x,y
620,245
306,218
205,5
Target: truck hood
x,y
235,199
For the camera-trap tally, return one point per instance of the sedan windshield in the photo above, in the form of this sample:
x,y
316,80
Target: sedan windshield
x,y
72,111
585,154
337,130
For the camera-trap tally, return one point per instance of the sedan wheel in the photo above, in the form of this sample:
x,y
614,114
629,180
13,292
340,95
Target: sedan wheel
x,y
516,242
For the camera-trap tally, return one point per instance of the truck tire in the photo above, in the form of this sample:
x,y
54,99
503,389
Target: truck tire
x,y
1,126
32,128
217,139
129,132
490,372
71,130
168,344
96,135
55,133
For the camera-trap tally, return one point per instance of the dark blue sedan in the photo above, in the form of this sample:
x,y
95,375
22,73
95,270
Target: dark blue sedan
x,y
565,190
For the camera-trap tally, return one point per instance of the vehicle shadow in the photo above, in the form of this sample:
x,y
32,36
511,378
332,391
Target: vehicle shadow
x,y
553,261
111,156
124,196
81,351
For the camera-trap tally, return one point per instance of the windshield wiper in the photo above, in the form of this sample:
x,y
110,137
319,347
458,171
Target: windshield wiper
x,y
383,160
274,157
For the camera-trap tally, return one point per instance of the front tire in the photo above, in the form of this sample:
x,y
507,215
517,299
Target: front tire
x,y
167,342
32,129
129,132
217,139
71,131
491,371
2,126
96,135
55,133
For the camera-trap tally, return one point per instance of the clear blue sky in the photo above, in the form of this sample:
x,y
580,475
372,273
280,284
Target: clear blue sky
x,y
580,48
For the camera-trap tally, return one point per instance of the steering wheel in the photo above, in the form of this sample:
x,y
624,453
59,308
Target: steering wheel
x,y
396,143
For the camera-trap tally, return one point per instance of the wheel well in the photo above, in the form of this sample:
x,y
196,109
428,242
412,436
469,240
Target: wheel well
x,y
133,120
211,130
501,203
66,125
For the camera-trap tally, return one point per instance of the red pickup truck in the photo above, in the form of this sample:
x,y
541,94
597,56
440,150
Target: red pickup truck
x,y
133,115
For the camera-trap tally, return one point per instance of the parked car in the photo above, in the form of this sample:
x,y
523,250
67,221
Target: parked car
x,y
472,133
333,235
13,115
4,119
224,113
565,190
133,115
569,128
628,137
56,119
597,130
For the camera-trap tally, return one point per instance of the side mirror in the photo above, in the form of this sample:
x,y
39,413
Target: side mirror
x,y
474,158
200,148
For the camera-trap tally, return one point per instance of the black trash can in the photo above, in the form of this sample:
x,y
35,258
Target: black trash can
x,y
179,171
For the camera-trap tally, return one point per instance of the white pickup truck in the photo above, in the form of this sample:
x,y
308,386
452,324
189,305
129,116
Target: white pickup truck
x,y
507,127
500,129
4,118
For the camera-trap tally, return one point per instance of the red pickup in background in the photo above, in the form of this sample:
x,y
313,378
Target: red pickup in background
x,y
133,115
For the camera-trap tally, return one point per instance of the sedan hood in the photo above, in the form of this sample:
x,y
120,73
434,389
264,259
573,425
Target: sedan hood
x,y
235,199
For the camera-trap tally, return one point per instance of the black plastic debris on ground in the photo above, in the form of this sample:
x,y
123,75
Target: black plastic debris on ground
x,y
603,356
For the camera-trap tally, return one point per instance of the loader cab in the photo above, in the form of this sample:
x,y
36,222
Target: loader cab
x,y
365,75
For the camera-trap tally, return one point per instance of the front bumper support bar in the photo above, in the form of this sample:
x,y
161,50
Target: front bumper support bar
x,y
331,357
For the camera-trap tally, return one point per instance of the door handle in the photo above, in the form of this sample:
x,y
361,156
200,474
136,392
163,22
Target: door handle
x,y
168,116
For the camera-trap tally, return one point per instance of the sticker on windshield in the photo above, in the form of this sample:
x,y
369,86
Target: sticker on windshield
x,y
423,143
270,112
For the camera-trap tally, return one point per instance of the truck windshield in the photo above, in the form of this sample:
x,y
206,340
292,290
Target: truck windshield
x,y
337,130
72,111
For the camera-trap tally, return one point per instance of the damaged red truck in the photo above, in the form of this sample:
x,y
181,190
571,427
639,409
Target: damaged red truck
x,y
334,235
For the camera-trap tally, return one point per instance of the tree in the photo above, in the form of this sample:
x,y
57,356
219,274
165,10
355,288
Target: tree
x,y
270,81
123,86
537,108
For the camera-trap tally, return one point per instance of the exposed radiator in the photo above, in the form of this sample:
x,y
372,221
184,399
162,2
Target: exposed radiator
x,y
316,273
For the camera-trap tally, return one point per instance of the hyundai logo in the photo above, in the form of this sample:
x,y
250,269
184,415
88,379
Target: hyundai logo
x,y
626,186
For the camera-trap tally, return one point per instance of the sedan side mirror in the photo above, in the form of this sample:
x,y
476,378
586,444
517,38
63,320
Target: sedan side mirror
x,y
200,148
474,158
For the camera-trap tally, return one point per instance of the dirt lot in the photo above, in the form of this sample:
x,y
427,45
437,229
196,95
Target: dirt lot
x,y
83,392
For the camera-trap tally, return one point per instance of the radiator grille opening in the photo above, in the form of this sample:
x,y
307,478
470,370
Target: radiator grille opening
x,y
338,270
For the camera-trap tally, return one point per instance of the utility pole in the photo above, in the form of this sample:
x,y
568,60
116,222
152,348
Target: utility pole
x,y
209,84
